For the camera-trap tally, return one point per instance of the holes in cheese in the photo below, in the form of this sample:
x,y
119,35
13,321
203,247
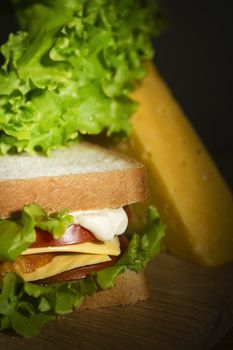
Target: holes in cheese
x,y
95,247
61,263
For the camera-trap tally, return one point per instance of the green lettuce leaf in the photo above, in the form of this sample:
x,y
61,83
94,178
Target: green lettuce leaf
x,y
145,245
70,68
141,249
16,235
26,307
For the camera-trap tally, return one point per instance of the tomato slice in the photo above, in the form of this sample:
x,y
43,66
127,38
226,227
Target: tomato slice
x,y
76,274
128,212
73,234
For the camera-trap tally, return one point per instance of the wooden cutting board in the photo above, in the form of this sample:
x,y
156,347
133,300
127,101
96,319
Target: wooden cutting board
x,y
190,307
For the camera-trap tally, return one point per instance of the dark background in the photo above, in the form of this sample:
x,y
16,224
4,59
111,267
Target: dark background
x,y
195,56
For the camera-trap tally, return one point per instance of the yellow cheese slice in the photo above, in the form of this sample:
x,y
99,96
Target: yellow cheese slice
x,y
186,186
106,248
66,262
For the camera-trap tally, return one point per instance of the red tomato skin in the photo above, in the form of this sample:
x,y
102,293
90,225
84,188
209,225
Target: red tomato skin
x,y
73,234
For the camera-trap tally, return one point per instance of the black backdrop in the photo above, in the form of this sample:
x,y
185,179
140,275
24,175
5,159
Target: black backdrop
x,y
195,56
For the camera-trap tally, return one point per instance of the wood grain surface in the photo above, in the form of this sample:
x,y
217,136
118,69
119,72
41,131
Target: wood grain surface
x,y
190,307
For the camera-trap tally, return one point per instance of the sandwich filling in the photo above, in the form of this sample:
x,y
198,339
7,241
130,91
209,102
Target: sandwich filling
x,y
103,223
91,240
50,263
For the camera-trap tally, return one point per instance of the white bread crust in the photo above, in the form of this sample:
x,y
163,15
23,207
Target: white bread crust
x,y
102,188
130,288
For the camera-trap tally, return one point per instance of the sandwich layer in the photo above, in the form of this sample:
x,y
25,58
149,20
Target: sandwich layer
x,y
81,177
130,287
42,266
96,247
80,158
62,263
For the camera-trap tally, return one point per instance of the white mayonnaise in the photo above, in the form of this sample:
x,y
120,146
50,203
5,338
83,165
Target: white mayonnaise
x,y
103,223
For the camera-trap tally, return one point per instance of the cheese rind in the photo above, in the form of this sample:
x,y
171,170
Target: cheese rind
x,y
106,248
191,195
61,263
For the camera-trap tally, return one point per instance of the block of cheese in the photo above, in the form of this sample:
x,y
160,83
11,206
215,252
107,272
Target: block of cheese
x,y
187,188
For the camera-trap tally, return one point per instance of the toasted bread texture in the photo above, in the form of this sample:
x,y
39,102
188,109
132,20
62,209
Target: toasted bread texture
x,y
130,288
83,176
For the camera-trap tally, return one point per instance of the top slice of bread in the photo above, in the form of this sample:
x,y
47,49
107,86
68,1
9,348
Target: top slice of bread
x,y
83,176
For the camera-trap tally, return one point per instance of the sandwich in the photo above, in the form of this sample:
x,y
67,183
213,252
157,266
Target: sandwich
x,y
66,216
65,240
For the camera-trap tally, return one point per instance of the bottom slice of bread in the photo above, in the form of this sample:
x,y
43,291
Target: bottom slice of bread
x,y
130,288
